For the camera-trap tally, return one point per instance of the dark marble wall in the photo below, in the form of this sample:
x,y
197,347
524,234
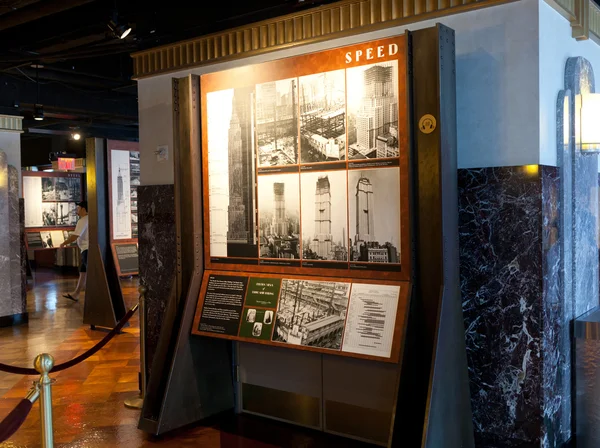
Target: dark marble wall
x,y
501,238
157,253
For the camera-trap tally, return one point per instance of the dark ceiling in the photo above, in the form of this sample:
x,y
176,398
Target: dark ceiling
x,y
85,71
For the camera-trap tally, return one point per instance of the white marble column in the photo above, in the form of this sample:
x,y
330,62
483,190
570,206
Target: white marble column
x,y
6,308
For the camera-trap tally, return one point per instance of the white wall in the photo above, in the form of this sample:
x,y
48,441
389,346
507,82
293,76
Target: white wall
x,y
10,143
497,89
556,45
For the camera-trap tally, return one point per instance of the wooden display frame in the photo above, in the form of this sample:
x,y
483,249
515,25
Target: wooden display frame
x,y
295,67
399,325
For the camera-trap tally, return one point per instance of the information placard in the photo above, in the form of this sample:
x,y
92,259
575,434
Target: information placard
x,y
223,304
126,256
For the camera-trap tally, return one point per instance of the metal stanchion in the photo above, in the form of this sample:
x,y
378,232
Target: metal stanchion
x,y
43,364
138,401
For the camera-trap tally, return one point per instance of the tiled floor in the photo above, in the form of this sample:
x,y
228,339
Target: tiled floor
x,y
88,398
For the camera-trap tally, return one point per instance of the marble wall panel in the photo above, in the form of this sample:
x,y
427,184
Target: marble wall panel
x,y
14,224
157,253
501,238
6,306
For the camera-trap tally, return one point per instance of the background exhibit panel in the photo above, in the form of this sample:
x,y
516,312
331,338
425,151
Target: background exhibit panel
x,y
324,215
311,313
371,319
48,189
322,98
121,191
231,173
279,215
374,212
68,189
276,122
373,111
32,192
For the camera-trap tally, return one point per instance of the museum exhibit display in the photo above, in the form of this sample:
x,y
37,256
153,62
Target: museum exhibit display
x,y
309,195
124,179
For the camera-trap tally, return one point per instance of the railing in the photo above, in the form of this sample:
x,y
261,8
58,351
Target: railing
x,y
42,388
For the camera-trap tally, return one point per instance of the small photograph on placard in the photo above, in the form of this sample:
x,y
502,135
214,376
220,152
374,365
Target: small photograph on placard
x,y
49,213
371,319
373,111
324,216
277,122
257,324
46,240
312,313
48,189
231,173
279,215
374,210
323,117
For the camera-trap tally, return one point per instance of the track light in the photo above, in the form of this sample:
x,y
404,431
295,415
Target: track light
x,y
38,112
119,31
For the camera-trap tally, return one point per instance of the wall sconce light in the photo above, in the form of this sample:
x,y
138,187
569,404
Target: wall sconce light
x,y
588,122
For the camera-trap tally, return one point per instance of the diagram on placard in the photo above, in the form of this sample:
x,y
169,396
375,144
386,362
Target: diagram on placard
x,y
312,313
121,194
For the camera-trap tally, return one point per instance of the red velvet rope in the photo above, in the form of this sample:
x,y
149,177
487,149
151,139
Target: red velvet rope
x,y
78,359
15,419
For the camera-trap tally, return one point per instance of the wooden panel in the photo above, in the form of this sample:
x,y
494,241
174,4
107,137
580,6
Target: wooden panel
x,y
343,18
399,327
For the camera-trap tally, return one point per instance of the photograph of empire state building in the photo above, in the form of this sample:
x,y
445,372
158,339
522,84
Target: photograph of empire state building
x,y
373,111
232,173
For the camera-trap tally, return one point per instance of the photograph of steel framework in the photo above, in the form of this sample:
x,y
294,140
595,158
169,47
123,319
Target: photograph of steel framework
x,y
312,313
279,215
324,215
322,99
276,121
373,111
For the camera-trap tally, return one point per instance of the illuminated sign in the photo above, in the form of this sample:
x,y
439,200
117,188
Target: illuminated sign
x,y
66,163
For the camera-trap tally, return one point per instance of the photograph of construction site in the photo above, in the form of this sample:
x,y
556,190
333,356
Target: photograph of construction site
x,y
312,313
324,216
373,111
277,122
279,215
322,99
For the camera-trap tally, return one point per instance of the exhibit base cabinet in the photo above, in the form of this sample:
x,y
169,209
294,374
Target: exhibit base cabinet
x,y
317,247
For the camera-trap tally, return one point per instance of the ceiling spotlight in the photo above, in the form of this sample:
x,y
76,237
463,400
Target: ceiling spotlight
x,y
76,136
120,31
38,112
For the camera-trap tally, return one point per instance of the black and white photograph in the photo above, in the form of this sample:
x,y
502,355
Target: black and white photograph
x,y
322,98
268,320
373,111
279,215
251,316
257,329
231,173
49,213
324,215
47,242
48,189
68,189
120,194
374,211
312,313
277,122
66,214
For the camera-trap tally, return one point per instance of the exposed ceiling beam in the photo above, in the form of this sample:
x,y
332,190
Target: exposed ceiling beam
x,y
37,11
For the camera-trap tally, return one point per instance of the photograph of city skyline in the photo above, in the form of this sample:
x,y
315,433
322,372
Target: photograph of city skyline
x,y
312,313
279,215
373,111
277,122
324,216
322,99
374,211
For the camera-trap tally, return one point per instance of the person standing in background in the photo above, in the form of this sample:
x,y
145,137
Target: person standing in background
x,y
81,236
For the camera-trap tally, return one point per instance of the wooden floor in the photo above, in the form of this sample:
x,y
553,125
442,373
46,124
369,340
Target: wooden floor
x,y
88,398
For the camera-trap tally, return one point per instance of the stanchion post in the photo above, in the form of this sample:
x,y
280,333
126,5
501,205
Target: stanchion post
x,y
138,401
43,364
